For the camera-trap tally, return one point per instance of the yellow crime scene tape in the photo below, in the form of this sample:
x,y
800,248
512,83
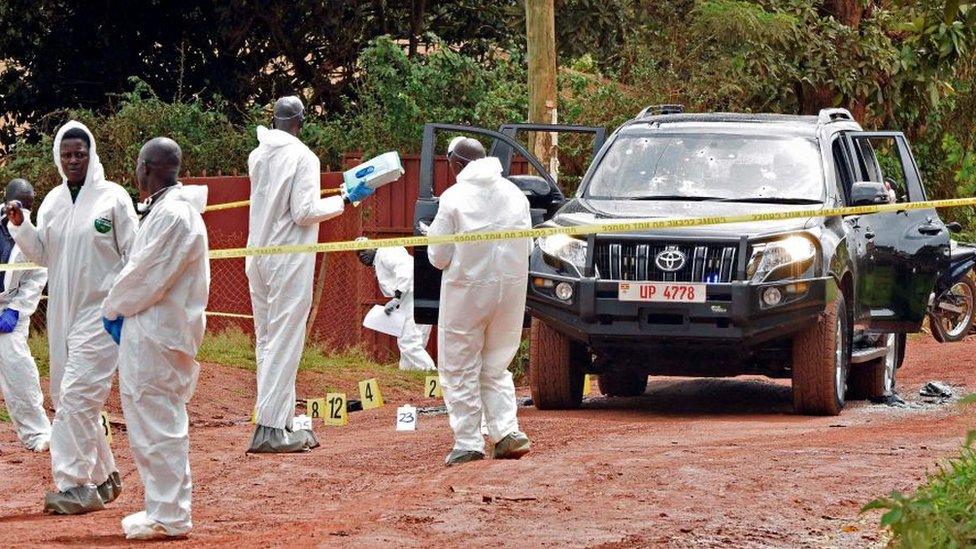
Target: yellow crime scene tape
x,y
579,230
243,203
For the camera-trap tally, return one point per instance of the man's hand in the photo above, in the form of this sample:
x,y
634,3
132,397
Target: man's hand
x,y
114,328
423,228
14,212
8,320
359,192
392,305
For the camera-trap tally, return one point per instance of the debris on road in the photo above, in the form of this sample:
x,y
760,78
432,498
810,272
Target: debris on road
x,y
937,389
891,400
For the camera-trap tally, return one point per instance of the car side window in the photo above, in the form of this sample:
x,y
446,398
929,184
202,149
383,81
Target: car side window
x,y
842,169
879,160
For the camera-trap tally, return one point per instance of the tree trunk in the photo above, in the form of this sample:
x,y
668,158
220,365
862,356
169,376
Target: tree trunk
x,y
848,12
416,24
540,29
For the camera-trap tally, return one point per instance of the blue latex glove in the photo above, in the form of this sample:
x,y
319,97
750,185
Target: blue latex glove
x,y
8,320
361,191
114,328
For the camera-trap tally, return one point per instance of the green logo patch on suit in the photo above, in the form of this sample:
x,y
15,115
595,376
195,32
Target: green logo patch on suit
x,y
103,225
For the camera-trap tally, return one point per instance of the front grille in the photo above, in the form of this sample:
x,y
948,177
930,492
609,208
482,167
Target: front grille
x,y
712,263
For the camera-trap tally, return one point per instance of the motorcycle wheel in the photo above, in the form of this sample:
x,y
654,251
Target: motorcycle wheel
x,y
952,315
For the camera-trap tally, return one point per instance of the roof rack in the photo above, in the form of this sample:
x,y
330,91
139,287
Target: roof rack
x,y
654,110
827,116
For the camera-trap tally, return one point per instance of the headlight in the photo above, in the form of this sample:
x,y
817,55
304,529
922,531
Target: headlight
x,y
569,249
781,259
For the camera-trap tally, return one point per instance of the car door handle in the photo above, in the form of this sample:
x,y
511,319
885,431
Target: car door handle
x,y
930,229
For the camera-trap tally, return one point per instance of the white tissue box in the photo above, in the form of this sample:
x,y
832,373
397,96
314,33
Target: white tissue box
x,y
376,172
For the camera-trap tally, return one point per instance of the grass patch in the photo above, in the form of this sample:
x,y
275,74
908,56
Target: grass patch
x,y
233,347
4,416
38,348
942,512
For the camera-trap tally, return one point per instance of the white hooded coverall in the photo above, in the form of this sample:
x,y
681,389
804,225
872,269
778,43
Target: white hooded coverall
x,y
482,301
19,380
394,271
286,208
82,244
162,292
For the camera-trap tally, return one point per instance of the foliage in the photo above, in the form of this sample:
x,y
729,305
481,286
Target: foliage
x,y
398,94
212,144
941,513
231,54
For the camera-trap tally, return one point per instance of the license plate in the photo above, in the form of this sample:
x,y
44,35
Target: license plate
x,y
667,292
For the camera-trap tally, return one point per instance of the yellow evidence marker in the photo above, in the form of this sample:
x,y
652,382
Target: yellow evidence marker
x,y
254,415
335,410
432,387
315,408
587,385
106,426
369,392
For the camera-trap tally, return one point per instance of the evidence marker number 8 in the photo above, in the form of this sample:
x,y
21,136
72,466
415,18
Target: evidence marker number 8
x,y
315,408
106,426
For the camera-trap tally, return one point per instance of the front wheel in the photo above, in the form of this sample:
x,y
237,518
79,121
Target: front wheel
x,y
821,357
556,368
951,317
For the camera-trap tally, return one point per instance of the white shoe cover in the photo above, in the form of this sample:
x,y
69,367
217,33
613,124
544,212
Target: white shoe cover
x,y
41,446
138,526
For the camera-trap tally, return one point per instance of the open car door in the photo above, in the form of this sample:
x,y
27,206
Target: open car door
x,y
899,254
544,194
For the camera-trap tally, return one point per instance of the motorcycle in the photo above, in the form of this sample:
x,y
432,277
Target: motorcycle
x,y
950,309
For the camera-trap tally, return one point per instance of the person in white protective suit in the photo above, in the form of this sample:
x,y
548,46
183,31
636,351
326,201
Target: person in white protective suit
x,y
155,310
394,273
286,208
85,227
482,303
20,292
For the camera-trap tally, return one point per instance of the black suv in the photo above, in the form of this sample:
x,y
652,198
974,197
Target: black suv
x,y
826,301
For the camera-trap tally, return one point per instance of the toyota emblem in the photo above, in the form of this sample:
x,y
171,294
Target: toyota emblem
x,y
670,260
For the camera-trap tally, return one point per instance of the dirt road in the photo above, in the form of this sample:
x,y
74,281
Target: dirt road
x,y
693,462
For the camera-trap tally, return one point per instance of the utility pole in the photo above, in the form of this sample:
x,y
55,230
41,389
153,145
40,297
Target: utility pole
x,y
540,30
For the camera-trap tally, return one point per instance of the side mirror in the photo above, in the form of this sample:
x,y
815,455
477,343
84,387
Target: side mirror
x,y
954,227
869,193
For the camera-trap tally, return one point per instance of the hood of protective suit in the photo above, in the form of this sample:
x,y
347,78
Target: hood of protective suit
x,y
95,170
275,138
482,171
194,195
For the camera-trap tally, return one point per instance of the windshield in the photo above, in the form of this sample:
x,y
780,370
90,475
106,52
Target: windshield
x,y
709,167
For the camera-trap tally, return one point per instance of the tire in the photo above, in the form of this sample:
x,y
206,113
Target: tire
x,y
965,290
623,383
821,359
556,368
877,379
